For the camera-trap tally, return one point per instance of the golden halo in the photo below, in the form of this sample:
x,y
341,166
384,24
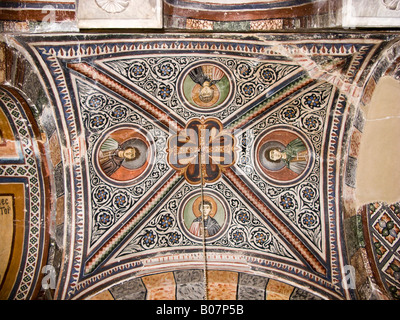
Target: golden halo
x,y
196,92
197,202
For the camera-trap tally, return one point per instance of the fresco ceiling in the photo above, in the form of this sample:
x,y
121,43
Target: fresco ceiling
x,y
249,133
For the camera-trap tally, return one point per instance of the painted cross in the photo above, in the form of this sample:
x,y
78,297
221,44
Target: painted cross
x,y
202,150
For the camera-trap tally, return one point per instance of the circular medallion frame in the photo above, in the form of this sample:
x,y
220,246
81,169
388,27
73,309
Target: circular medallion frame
x,y
283,172
127,172
193,82
189,215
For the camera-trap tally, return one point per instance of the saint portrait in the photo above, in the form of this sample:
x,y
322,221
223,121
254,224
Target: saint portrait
x,y
206,86
123,155
293,156
204,222
283,155
204,216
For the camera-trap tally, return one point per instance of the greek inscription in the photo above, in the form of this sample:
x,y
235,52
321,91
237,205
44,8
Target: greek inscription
x,y
5,205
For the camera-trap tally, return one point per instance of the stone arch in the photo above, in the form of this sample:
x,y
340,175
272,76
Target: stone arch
x,y
369,183
28,109
189,285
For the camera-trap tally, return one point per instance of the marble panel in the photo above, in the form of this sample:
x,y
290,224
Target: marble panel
x,y
251,287
189,284
160,286
371,13
126,14
129,290
277,290
222,285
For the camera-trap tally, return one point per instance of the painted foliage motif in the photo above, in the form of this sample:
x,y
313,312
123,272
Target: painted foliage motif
x,y
234,225
275,219
176,81
292,184
115,131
